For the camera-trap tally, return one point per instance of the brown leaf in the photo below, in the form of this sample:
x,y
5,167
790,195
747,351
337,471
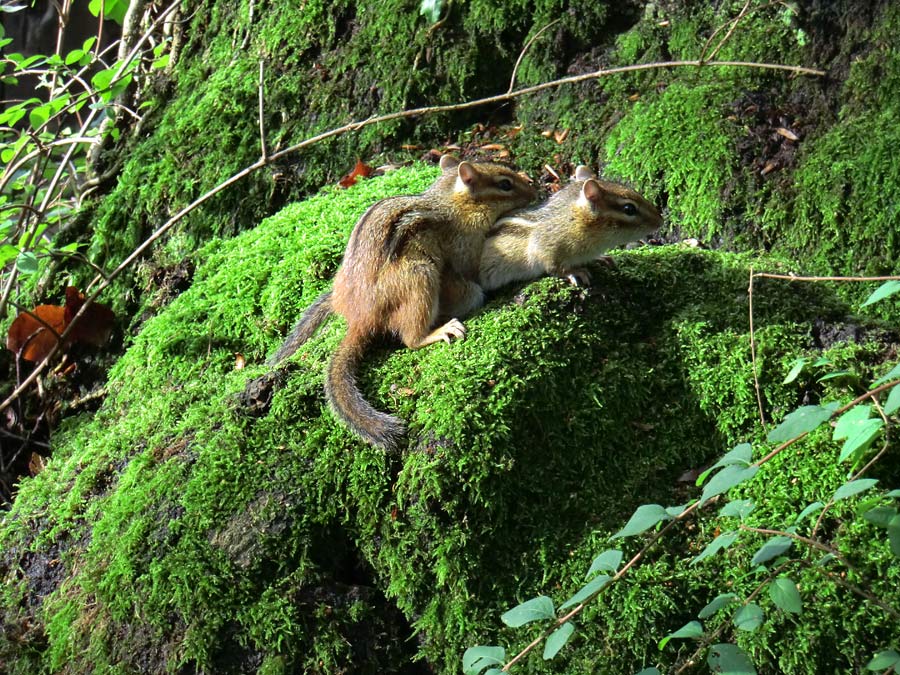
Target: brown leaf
x,y
493,146
239,362
560,136
35,464
788,134
33,335
94,326
361,169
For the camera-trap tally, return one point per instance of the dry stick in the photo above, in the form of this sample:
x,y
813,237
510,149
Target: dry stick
x,y
512,80
789,277
355,126
734,23
793,277
262,128
762,416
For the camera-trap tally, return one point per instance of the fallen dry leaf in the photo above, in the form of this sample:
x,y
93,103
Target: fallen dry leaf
x,y
33,335
560,136
788,134
361,169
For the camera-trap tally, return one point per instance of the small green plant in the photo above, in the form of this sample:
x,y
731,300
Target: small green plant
x,y
786,550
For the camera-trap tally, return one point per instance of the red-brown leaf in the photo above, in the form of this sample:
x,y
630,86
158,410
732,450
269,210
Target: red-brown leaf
x,y
361,169
33,338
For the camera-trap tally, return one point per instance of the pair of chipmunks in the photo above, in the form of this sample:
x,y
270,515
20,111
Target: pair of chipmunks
x,y
416,264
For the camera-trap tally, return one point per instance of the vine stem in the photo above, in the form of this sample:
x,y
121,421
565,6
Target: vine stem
x,y
104,283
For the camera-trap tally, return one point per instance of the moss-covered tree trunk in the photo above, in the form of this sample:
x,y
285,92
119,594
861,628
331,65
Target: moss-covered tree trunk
x,y
211,517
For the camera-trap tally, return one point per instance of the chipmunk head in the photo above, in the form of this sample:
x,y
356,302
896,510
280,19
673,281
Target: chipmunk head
x,y
616,206
487,186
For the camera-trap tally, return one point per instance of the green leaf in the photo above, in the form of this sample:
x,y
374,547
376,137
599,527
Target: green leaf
x,y
739,508
649,671
608,561
101,79
161,62
726,479
476,659
535,609
850,421
112,9
785,595
854,487
645,517
720,543
38,117
880,515
892,374
833,376
773,548
893,530
676,511
7,252
27,263
431,9
74,56
887,289
795,371
692,630
865,434
741,454
726,659
893,493
587,590
801,421
557,640
893,401
749,617
884,660
812,508
720,601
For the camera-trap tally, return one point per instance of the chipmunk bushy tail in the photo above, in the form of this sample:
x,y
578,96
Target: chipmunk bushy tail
x,y
308,324
347,401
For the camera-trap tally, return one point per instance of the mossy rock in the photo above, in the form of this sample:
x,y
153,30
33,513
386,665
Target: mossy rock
x,y
179,530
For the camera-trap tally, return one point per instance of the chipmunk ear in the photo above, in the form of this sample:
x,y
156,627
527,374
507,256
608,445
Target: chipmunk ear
x,y
592,192
448,162
467,173
583,172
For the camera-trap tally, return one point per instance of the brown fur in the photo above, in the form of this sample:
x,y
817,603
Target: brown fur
x,y
408,260
574,226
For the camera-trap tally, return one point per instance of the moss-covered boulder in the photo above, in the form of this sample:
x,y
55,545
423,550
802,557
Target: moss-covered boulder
x,y
189,526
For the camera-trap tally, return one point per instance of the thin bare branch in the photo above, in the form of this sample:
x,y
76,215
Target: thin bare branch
x,y
762,416
512,79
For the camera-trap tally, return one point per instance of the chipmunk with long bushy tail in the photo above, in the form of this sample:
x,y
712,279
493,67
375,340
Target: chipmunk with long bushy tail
x,y
410,260
576,225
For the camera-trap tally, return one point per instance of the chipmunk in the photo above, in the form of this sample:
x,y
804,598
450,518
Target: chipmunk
x,y
574,226
409,260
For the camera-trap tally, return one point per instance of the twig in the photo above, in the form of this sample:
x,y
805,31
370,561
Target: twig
x,y
512,79
262,128
793,277
734,22
762,416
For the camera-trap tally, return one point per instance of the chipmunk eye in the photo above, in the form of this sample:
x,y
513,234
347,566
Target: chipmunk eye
x,y
504,184
629,209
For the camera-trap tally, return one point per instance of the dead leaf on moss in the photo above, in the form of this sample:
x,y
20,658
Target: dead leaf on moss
x,y
788,134
361,169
